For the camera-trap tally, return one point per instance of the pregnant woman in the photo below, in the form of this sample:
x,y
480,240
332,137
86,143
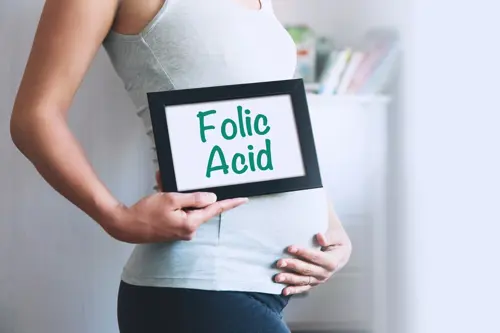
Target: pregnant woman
x,y
229,266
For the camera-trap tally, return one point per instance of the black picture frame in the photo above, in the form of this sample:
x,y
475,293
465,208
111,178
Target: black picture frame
x,y
158,101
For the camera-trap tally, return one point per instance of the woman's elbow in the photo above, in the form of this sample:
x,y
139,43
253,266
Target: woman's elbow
x,y
21,130
15,129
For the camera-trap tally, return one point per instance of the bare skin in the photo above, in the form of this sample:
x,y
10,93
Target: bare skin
x,y
69,34
67,39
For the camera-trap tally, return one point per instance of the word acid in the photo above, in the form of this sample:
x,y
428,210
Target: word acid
x,y
230,129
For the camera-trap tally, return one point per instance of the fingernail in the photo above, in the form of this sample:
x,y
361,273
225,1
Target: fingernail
x,y
282,264
285,292
210,197
279,278
293,249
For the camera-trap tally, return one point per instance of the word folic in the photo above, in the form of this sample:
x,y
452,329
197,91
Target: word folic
x,y
243,126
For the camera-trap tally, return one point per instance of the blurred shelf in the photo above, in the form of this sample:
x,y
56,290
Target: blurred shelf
x,y
312,88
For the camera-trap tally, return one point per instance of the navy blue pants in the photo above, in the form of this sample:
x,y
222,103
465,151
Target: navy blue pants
x,y
176,310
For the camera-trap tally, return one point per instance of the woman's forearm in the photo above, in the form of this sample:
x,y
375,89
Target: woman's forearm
x,y
49,144
68,36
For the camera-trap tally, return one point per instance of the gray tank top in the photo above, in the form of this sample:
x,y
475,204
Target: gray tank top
x,y
199,43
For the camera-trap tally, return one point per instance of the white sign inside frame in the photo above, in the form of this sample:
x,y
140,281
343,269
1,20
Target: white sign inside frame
x,y
234,142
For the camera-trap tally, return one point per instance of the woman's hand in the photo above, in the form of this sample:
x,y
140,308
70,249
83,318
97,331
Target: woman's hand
x,y
167,216
311,267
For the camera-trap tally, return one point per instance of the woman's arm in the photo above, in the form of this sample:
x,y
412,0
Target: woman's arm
x,y
69,35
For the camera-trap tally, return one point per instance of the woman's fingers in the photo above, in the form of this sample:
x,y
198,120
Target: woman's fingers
x,y
303,268
191,200
198,216
322,241
158,181
310,267
314,256
296,290
296,279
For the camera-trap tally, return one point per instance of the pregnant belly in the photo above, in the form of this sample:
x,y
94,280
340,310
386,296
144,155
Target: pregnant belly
x,y
275,221
243,244
257,234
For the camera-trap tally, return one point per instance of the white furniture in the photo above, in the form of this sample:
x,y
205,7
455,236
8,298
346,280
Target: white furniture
x,y
350,135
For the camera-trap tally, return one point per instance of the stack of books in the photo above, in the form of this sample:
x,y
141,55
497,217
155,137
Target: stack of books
x,y
364,71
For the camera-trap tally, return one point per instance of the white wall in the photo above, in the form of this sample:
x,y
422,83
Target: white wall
x,y
452,166
344,21
58,271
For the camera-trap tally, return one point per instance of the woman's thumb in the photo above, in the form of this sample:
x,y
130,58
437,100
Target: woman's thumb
x,y
322,241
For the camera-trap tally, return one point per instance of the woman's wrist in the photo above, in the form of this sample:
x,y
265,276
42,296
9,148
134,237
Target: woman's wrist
x,y
110,214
